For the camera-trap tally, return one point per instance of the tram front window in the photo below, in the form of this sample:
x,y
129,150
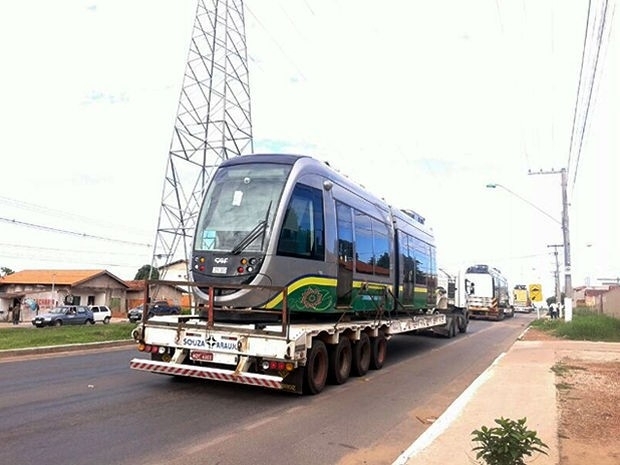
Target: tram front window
x,y
239,198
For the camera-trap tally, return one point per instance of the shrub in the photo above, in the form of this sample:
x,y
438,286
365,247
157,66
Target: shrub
x,y
508,443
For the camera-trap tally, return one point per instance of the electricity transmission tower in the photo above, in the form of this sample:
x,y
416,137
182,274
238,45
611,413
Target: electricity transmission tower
x,y
213,122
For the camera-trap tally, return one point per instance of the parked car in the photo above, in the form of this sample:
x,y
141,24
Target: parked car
x,y
65,315
160,307
101,313
134,314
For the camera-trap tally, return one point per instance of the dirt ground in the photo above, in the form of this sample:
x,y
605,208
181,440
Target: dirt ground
x,y
588,394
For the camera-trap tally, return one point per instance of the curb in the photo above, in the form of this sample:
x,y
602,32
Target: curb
x,y
445,420
63,348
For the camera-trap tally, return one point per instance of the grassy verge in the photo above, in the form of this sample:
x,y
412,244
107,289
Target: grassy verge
x,y
585,326
19,338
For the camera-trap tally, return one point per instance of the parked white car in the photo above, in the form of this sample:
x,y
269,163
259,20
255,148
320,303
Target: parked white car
x,y
101,313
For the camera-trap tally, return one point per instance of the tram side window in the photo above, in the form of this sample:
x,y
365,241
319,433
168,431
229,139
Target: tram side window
x,y
432,268
302,234
372,245
363,243
407,255
381,248
345,235
423,265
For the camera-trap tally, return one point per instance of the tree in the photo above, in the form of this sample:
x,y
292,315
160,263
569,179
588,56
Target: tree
x,y
4,271
147,272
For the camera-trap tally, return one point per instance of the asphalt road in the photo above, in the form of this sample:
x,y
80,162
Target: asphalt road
x,y
90,408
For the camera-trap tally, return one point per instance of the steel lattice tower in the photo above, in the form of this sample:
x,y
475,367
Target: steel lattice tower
x,y
213,122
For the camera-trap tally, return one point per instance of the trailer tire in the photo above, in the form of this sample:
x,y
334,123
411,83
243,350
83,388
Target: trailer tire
x,y
463,323
340,358
452,327
361,356
379,352
315,372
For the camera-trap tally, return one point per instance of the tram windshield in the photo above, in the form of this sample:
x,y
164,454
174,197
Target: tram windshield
x,y
239,207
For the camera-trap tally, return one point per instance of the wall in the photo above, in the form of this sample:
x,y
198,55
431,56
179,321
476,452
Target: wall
x,y
611,302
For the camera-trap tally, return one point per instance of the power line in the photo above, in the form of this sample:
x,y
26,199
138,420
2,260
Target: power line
x,y
79,251
576,106
73,233
74,260
591,89
588,99
301,74
63,214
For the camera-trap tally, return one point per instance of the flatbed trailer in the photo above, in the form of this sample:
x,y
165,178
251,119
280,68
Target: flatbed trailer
x,y
298,357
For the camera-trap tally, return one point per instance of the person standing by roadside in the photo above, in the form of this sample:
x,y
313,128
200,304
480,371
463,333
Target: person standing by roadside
x,y
553,310
16,313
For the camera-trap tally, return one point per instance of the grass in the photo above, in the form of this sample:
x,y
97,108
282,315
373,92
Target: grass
x,y
585,326
560,369
19,338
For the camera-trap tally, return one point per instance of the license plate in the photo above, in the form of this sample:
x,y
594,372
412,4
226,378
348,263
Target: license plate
x,y
201,356
219,269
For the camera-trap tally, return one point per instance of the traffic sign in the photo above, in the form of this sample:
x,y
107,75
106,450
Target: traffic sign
x,y
536,292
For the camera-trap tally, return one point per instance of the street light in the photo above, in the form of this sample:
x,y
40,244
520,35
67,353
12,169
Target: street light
x,y
568,291
495,185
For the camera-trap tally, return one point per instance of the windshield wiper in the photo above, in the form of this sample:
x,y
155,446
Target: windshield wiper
x,y
251,236
258,230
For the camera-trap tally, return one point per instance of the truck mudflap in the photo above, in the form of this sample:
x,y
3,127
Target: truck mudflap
x,y
291,383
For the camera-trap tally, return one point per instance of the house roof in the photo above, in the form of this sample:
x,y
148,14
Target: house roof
x,y
57,277
135,285
171,264
138,285
595,292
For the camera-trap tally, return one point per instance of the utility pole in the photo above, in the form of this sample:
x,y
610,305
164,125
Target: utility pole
x,y
568,284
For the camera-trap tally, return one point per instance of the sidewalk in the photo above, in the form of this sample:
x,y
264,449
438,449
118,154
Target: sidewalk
x,y
518,384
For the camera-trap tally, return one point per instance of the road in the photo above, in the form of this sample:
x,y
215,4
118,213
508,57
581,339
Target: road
x,y
90,408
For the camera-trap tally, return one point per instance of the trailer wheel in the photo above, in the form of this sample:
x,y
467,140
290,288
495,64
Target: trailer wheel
x,y
379,352
463,323
452,327
340,356
315,373
361,355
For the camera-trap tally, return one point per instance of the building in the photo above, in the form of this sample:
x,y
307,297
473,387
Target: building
x,y
174,295
610,302
47,288
587,296
174,271
602,299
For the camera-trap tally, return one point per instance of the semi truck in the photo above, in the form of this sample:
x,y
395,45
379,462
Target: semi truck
x,y
521,301
300,357
487,293
299,277
451,299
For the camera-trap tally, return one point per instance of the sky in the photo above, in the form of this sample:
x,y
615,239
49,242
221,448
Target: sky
x,y
424,103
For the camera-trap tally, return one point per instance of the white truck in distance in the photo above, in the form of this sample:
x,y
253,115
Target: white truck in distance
x,y
486,292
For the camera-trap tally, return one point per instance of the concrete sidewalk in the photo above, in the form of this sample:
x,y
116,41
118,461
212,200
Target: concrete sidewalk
x,y
520,383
